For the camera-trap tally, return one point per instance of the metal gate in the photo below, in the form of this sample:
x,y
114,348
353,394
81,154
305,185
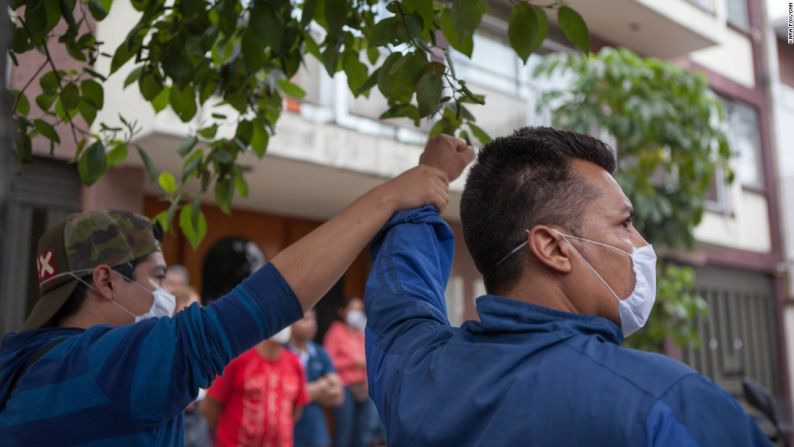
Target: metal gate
x,y
738,334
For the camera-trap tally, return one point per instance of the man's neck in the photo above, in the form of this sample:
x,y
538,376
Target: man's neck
x,y
542,293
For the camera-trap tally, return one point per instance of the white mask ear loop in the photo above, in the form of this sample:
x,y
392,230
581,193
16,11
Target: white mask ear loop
x,y
97,292
590,266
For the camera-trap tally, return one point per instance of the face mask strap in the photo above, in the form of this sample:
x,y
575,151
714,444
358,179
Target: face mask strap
x,y
92,288
512,252
593,242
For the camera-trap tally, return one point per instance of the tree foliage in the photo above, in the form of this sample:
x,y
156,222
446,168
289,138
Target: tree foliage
x,y
665,123
209,55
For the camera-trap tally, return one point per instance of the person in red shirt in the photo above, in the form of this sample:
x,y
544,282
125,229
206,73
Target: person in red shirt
x,y
354,421
258,398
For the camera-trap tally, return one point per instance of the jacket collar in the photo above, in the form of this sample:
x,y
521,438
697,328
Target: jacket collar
x,y
504,315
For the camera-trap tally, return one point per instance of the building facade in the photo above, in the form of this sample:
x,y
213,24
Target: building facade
x,y
330,148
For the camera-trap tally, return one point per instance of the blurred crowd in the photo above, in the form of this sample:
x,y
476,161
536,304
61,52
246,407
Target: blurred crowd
x,y
287,390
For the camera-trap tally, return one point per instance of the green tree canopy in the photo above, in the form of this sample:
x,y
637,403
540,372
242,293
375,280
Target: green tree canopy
x,y
212,54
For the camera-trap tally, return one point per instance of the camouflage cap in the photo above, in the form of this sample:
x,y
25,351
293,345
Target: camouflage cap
x,y
78,244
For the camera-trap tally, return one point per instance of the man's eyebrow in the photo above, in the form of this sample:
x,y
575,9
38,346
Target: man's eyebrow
x,y
627,209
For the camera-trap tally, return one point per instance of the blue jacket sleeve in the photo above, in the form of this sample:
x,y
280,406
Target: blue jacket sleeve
x,y
695,412
412,257
151,370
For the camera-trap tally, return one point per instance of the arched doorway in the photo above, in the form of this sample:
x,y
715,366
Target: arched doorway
x,y
227,263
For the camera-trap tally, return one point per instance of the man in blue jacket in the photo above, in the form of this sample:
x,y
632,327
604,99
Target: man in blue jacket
x,y
568,277
102,362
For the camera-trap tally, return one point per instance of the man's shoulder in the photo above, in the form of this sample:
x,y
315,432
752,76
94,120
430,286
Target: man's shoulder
x,y
649,373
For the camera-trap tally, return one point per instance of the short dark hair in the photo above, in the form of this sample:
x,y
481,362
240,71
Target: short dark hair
x,y
520,181
75,301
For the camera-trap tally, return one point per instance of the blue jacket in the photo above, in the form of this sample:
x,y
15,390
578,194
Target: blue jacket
x,y
312,429
128,385
524,374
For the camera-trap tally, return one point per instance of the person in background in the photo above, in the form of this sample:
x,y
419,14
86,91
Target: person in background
x,y
344,342
176,277
259,396
197,432
324,385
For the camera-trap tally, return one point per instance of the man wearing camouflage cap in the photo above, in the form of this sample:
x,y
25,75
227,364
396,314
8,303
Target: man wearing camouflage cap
x,y
82,373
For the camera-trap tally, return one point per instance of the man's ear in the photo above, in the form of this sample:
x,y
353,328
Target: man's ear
x,y
550,248
102,278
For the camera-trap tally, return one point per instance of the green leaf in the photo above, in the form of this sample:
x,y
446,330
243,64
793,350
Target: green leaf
x,y
330,59
161,101
36,19
335,15
49,82
187,146
398,75
123,54
428,93
290,89
93,93
133,76
92,163
223,155
147,164
47,130
194,229
480,134
309,7
574,28
178,66
266,24
88,110
459,22
44,100
383,33
117,155
370,82
150,85
425,10
99,8
169,215
240,183
183,101
527,28
21,101
95,74
167,182
402,111
70,97
191,164
259,139
253,49
373,54
223,195
209,132
355,71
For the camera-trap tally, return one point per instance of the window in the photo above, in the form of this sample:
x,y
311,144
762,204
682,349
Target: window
x,y
737,13
744,136
707,5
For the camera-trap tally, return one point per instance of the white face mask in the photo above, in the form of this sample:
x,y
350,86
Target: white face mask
x,y
634,310
357,319
163,305
282,337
